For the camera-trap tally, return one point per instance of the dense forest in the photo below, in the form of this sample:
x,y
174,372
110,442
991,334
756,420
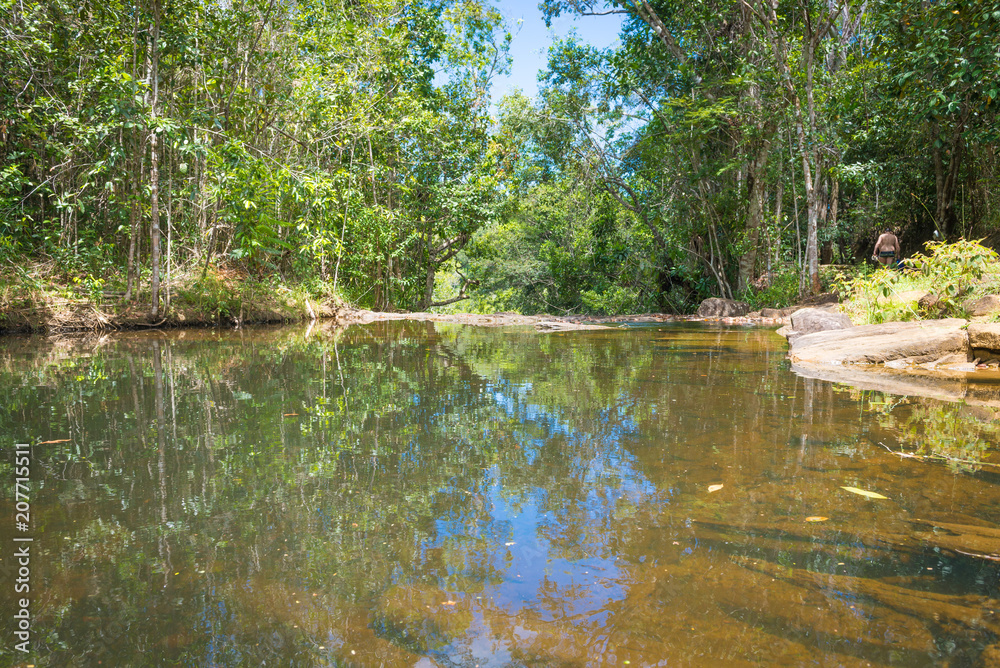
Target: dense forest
x,y
717,148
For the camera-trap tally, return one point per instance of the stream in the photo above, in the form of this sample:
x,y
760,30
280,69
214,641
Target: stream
x,y
429,494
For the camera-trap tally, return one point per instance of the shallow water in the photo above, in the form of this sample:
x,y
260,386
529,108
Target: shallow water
x,y
419,494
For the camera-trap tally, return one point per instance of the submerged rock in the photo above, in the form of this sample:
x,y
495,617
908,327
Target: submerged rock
x,y
714,307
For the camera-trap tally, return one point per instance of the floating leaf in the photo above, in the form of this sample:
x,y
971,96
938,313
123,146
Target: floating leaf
x,y
714,488
817,518
864,492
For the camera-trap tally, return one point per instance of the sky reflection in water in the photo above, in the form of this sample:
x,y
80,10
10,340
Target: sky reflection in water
x,y
418,494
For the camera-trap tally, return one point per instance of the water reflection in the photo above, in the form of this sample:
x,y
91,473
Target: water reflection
x,y
420,494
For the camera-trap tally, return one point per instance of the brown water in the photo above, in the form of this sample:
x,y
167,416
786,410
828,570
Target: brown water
x,y
411,494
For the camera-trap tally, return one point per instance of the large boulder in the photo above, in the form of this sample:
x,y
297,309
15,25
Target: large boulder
x,y
811,320
713,307
913,342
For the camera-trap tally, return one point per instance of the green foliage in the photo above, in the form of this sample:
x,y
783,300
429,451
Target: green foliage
x,y
953,269
211,294
92,287
354,142
565,249
781,290
872,297
950,273
613,300
351,141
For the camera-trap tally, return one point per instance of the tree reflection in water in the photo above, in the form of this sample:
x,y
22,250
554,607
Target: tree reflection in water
x,y
400,492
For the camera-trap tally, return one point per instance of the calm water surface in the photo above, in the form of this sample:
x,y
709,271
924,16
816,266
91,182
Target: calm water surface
x,y
417,494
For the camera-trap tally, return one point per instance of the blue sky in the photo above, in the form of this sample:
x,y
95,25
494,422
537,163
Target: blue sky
x,y
532,39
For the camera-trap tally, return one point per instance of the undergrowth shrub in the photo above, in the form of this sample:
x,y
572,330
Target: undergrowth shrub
x,y
953,271
949,271
782,290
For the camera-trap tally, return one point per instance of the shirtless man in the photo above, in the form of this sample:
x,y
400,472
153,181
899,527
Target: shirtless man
x,y
886,249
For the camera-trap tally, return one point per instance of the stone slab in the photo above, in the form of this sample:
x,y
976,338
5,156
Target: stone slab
x,y
917,342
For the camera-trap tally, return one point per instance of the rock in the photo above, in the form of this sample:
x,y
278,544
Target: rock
x,y
985,335
915,342
961,367
713,307
823,299
984,305
779,312
955,358
928,302
562,326
811,320
991,655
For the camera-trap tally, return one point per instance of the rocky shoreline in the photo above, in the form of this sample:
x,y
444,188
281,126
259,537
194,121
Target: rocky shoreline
x,y
349,316
950,359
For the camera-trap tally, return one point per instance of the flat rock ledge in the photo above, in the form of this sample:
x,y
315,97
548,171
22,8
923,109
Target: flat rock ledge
x,y
951,359
909,342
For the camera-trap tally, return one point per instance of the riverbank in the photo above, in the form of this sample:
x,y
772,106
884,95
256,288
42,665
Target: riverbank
x,y
348,315
54,315
34,302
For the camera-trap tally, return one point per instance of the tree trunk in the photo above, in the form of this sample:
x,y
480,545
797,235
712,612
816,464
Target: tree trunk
x,y
755,173
946,181
154,173
428,287
831,192
130,273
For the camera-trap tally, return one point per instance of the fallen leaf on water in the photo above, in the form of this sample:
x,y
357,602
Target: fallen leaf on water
x,y
817,518
864,492
714,488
